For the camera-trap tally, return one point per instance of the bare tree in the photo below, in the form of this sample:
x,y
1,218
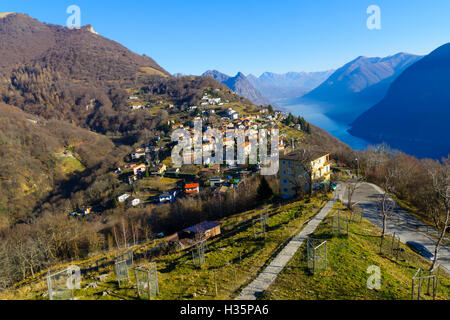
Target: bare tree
x,y
439,204
352,186
124,232
387,205
116,238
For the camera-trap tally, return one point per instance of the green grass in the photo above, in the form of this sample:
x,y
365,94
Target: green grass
x,y
70,165
346,276
235,258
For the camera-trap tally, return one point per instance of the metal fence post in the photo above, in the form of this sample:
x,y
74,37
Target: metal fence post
x,y
137,283
156,275
419,288
215,283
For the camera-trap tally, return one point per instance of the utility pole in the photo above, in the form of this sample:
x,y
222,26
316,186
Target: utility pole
x,y
357,172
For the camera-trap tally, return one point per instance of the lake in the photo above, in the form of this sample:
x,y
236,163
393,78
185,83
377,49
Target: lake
x,y
316,114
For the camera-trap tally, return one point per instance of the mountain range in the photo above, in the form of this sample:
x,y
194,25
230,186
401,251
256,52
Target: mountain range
x,y
291,85
414,115
81,77
65,117
362,79
359,84
240,85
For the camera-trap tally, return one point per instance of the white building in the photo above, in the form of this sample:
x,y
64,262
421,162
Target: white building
x,y
135,202
123,198
137,155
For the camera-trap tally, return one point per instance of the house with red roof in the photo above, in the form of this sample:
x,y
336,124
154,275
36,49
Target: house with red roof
x,y
192,188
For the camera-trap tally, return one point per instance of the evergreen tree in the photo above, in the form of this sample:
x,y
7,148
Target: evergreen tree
x,y
290,120
264,190
308,129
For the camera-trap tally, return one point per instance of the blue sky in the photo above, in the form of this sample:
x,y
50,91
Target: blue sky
x,y
192,36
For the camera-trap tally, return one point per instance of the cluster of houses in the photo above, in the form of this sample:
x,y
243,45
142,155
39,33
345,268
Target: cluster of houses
x,y
230,122
135,106
129,200
169,196
227,128
207,101
165,197
140,107
232,114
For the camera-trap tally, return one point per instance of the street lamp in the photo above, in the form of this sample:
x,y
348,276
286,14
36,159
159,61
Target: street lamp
x,y
357,161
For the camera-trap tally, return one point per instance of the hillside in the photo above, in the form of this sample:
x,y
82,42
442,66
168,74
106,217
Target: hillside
x,y
67,137
78,53
72,75
359,84
241,85
37,156
348,258
414,114
234,258
287,86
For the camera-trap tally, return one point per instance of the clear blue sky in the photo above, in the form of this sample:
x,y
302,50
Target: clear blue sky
x,y
254,36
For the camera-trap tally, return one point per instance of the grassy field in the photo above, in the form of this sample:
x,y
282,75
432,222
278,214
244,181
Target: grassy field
x,y
235,258
232,260
346,276
70,165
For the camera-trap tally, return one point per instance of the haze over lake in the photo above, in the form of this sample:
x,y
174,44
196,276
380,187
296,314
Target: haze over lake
x,y
316,114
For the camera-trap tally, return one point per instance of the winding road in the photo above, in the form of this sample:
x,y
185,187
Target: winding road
x,y
367,195
404,225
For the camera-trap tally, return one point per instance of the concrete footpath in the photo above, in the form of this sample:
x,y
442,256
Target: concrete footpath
x,y
270,273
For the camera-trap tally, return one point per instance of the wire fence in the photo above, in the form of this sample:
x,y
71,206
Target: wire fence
x,y
198,254
61,285
424,284
356,214
259,228
340,224
316,255
122,274
147,281
279,233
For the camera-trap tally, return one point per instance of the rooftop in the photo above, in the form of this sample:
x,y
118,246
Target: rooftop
x,y
207,225
300,154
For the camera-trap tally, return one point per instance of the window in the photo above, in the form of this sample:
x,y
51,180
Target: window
x,y
285,182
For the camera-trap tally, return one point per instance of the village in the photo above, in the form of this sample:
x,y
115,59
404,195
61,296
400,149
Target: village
x,y
150,178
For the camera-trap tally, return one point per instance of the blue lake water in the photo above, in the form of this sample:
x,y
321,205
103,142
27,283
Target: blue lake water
x,y
316,114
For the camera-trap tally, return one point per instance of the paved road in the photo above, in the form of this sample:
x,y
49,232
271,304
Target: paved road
x,y
265,278
403,224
